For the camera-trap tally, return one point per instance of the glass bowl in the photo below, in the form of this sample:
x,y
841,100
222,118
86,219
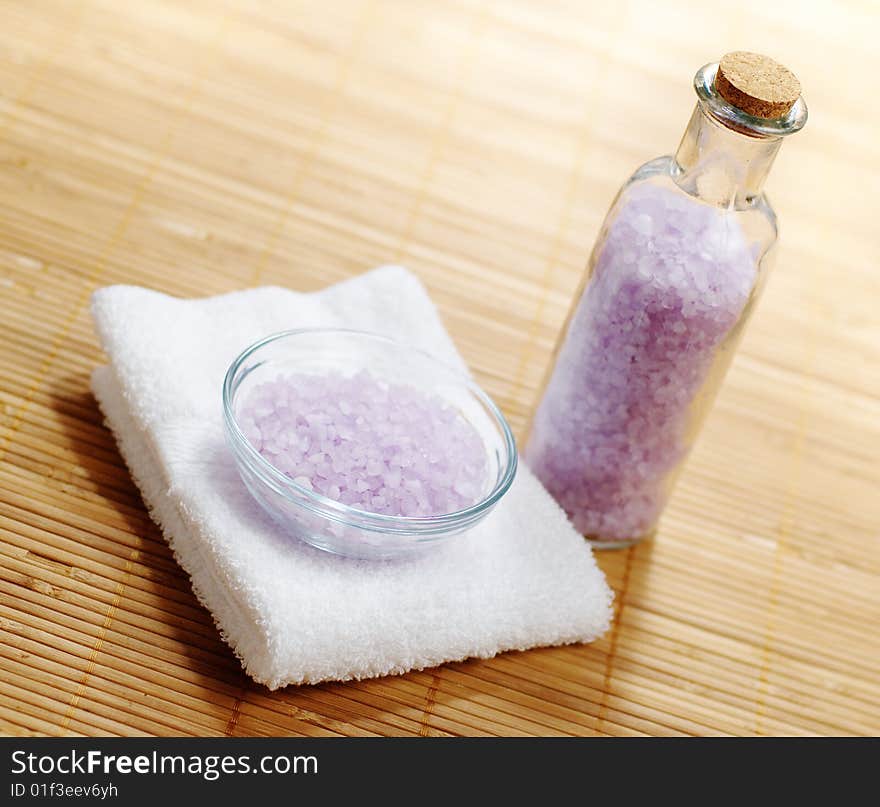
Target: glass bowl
x,y
324,522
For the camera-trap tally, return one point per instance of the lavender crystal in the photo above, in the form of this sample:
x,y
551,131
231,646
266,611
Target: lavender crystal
x,y
379,447
670,281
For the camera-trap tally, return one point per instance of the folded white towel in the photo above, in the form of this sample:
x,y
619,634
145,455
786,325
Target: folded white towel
x,y
293,614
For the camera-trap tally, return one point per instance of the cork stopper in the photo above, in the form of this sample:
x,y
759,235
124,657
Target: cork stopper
x,y
757,85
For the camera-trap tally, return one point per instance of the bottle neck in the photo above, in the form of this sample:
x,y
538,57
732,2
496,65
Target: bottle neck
x,y
720,165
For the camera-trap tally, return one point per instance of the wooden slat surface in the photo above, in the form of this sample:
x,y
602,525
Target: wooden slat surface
x,y
202,147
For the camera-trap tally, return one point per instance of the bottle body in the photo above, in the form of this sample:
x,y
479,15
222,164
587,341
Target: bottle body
x,y
675,273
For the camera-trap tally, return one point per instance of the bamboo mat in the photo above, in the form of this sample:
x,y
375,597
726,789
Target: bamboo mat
x,y
202,147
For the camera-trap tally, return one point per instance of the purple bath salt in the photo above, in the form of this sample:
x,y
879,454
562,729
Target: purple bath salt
x,y
374,446
670,281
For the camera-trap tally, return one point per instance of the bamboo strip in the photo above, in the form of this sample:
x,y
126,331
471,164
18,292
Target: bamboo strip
x,y
752,612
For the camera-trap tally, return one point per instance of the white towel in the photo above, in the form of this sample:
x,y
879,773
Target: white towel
x,y
294,614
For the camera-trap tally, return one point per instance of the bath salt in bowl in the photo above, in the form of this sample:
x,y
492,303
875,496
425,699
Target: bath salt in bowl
x,y
363,446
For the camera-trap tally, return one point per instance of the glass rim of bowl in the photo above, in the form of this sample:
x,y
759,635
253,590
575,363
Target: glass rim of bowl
x,y
301,496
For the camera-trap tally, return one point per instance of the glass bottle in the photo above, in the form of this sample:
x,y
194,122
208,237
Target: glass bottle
x,y
679,263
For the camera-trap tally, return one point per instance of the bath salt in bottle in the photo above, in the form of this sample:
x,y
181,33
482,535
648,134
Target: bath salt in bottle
x,y
676,270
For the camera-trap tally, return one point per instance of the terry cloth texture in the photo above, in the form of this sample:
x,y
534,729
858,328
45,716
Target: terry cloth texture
x,y
293,614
